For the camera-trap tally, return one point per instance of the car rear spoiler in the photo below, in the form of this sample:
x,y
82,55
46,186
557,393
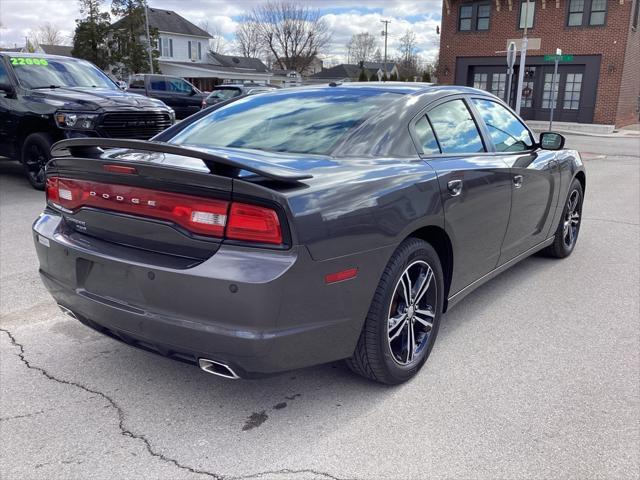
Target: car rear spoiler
x,y
79,146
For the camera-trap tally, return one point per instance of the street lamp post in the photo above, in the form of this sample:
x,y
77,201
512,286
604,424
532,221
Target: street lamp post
x,y
523,58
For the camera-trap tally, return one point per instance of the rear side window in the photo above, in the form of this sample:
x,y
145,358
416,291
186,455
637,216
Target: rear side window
x,y
455,128
425,136
136,82
507,132
158,84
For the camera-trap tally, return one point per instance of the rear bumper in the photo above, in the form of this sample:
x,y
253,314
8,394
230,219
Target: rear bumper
x,y
258,311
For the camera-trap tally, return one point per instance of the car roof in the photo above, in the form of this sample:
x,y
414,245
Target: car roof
x,y
406,88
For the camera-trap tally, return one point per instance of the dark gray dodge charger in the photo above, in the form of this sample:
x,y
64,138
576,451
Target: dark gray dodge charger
x,y
304,225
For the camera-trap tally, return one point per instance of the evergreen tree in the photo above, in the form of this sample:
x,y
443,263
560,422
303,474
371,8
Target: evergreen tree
x,y
393,77
426,76
90,34
363,76
129,43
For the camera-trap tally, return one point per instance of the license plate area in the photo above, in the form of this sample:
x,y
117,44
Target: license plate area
x,y
113,281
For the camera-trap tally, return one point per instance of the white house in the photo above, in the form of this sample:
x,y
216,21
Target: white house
x,y
183,50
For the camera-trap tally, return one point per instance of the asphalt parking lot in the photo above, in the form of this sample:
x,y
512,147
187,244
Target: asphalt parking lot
x,y
534,375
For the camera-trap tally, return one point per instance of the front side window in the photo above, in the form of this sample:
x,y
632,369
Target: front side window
x,y
36,72
178,85
224,93
425,136
455,128
507,132
526,16
309,121
4,78
474,16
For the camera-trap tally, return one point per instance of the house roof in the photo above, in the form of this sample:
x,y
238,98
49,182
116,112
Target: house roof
x,y
344,70
239,63
375,66
63,50
170,22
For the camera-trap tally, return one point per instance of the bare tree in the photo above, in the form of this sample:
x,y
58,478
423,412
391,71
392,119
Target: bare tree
x,y
408,54
361,47
292,32
217,42
377,56
248,39
48,34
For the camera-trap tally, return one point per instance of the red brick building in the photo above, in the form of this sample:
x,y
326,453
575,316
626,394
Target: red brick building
x,y
601,84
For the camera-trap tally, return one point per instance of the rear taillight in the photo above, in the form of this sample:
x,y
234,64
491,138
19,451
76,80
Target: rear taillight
x,y
203,216
253,223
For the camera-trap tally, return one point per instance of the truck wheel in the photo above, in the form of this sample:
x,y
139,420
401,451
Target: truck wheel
x,y
36,152
404,316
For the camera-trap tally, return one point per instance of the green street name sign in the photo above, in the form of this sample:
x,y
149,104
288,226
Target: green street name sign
x,y
561,58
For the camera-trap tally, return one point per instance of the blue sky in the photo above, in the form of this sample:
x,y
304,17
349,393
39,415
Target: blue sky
x,y
345,18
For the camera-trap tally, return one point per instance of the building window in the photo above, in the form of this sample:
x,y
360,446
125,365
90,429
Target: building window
x,y
166,47
572,89
474,16
498,84
484,12
598,10
636,14
480,80
546,92
586,12
527,15
466,15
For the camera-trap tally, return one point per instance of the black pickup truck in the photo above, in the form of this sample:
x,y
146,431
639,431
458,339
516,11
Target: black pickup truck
x,y
46,98
184,98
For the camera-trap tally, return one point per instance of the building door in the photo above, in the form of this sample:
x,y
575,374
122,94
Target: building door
x,y
539,93
491,79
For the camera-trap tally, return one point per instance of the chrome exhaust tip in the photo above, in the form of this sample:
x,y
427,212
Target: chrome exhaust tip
x,y
67,312
217,368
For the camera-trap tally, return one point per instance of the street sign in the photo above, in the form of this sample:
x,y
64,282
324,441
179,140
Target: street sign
x,y
560,58
511,55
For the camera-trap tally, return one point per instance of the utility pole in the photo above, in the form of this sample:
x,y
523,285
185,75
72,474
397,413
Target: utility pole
x,y
385,34
523,57
146,25
554,86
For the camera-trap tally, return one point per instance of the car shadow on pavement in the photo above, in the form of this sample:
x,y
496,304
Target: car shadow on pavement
x,y
144,382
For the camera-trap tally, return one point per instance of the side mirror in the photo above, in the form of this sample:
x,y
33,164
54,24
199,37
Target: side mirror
x,y
7,88
122,85
551,141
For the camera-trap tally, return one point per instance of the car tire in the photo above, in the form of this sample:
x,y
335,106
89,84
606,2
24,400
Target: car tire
x,y
566,234
36,152
388,360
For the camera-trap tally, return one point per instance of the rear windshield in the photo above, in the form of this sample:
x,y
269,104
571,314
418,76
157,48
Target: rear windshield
x,y
36,72
224,93
300,121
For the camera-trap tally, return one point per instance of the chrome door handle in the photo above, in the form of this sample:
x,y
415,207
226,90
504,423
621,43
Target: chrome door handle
x,y
454,187
517,181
